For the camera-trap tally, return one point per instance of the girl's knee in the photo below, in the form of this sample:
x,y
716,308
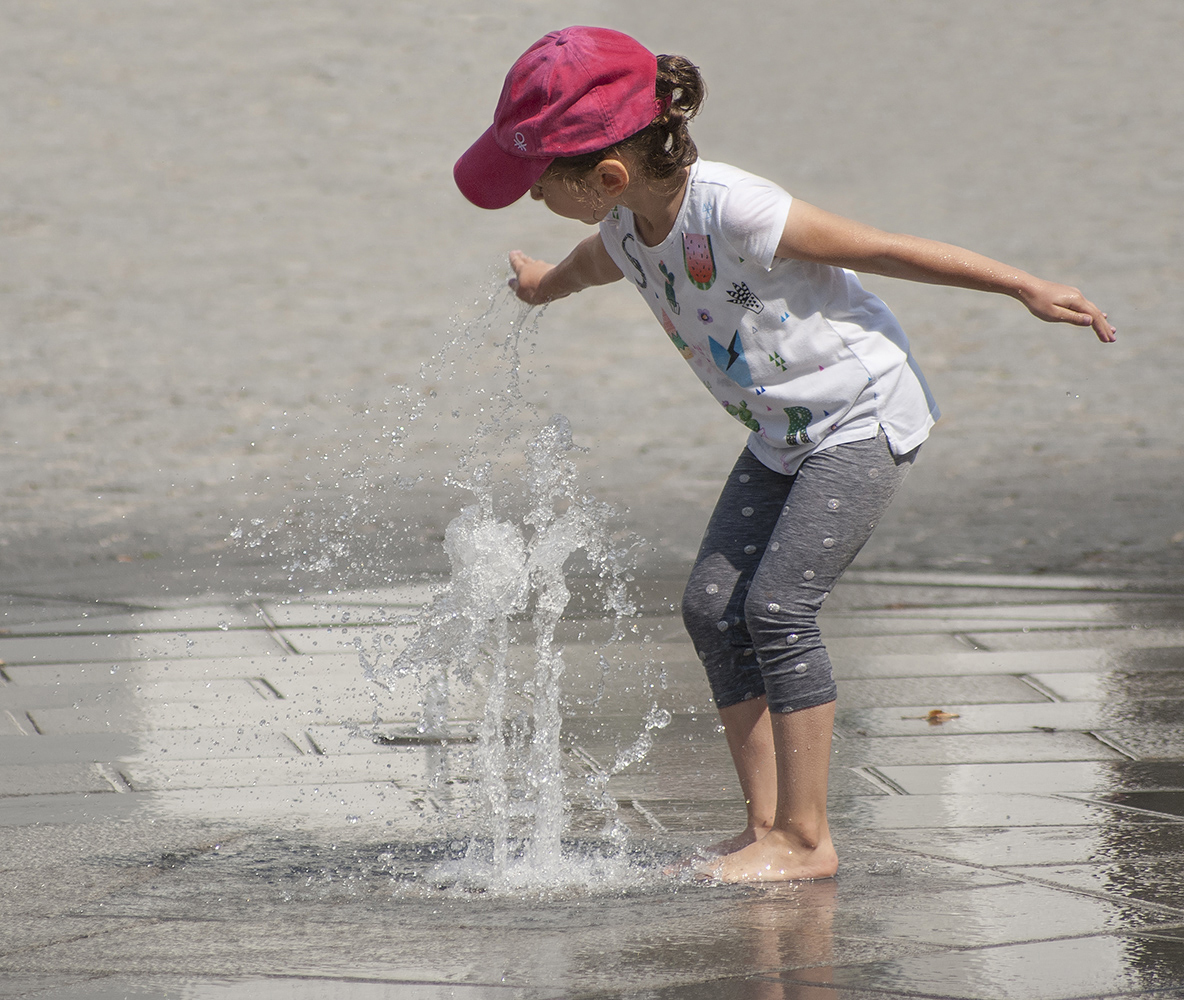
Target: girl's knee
x,y
696,608
705,605
780,621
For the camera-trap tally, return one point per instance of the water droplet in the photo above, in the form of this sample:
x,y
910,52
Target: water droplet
x,y
791,638
808,575
702,656
833,504
749,549
353,819
873,473
784,510
712,588
224,626
774,607
657,718
744,478
828,543
776,546
825,596
748,512
800,668
722,626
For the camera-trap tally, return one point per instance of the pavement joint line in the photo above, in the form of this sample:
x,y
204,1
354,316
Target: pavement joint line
x,y
966,640
273,629
264,688
648,816
116,778
880,780
1114,744
16,722
1088,797
1040,688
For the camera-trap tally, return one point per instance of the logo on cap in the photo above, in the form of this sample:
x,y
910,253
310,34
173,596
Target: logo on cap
x,y
520,141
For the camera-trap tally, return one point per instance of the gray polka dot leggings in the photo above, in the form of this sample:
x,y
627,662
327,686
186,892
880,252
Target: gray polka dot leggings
x,y
773,549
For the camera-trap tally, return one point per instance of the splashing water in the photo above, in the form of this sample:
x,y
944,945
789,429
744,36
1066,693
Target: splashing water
x,y
493,626
501,569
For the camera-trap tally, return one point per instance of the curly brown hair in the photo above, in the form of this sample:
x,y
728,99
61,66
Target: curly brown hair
x,y
662,148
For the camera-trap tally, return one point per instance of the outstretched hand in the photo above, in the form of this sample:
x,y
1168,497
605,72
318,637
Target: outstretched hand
x,y
1055,303
528,275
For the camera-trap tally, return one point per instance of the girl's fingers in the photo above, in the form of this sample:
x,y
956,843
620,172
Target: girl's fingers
x,y
1073,307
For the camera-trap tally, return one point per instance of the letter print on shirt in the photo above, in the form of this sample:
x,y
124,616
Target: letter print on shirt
x,y
633,260
698,259
741,295
731,361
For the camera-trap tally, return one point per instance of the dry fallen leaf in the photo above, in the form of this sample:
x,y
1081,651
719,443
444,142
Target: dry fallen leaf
x,y
935,717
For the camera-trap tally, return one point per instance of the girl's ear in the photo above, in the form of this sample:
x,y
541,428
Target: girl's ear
x,y
613,177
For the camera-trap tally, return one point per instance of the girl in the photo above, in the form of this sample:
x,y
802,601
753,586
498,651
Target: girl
x,y
756,291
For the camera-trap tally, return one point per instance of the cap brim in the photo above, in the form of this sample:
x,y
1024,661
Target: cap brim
x,y
491,178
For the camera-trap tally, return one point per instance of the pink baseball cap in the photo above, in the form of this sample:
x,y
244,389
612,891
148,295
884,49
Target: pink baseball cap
x,y
574,91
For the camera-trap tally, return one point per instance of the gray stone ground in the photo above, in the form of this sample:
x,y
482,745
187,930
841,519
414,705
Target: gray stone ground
x,y
206,800
228,232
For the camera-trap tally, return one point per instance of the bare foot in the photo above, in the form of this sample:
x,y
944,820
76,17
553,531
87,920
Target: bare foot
x,y
749,835
776,857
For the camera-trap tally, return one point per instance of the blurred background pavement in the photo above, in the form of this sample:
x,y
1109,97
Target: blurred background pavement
x,y
229,235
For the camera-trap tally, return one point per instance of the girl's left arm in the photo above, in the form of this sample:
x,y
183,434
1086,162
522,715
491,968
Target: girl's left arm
x,y
815,235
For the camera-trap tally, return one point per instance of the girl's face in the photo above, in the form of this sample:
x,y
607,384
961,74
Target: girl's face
x,y
585,205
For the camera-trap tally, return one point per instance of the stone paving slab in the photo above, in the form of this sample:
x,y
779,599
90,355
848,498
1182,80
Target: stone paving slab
x,y
1159,881
1129,638
1142,685
1147,741
172,620
1045,970
1059,776
139,671
134,646
288,770
1075,715
972,748
959,662
975,689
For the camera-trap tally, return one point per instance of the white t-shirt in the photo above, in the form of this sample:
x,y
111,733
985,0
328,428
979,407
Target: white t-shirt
x,y
799,353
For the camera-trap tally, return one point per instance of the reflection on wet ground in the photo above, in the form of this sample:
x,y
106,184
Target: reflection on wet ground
x,y
212,801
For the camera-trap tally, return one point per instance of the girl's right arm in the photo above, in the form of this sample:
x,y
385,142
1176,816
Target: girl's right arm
x,y
536,281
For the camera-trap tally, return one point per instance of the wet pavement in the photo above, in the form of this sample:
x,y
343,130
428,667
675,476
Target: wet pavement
x,y
209,799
